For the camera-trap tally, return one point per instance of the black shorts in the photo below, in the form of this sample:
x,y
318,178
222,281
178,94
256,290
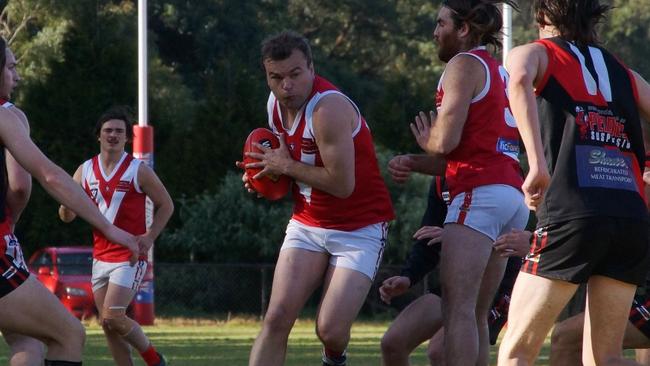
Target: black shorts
x,y
640,314
577,249
12,267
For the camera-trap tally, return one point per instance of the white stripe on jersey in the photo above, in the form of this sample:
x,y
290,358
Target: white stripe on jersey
x,y
109,209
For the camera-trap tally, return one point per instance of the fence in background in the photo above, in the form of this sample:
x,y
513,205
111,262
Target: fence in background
x,y
193,290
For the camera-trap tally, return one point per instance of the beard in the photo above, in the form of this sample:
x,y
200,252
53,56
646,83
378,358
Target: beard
x,y
446,53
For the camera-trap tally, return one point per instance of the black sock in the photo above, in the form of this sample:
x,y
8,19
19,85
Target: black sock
x,y
61,363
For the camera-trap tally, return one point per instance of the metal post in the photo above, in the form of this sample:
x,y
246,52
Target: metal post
x,y
143,149
507,31
143,112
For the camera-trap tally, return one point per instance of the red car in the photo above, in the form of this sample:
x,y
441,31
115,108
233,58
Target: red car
x,y
66,271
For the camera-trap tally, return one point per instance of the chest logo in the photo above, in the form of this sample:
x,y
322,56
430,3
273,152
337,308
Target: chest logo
x,y
308,146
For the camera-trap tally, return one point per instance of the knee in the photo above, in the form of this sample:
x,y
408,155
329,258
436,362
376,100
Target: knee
x,y
25,350
562,339
512,351
333,335
436,355
391,344
76,333
278,321
115,320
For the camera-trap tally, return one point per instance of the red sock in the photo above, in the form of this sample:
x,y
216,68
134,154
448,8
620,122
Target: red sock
x,y
333,354
150,356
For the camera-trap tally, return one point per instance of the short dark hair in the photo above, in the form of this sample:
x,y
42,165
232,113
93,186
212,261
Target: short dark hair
x,y
279,46
575,20
482,16
122,113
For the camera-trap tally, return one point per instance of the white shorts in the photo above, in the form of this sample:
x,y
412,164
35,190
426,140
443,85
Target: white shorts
x,y
119,273
492,210
359,250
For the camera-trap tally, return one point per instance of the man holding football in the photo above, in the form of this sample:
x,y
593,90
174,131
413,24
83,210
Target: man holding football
x,y
337,233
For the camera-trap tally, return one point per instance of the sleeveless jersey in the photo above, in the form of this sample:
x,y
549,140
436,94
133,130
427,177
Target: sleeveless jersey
x,y
120,199
4,179
369,202
591,131
488,149
8,242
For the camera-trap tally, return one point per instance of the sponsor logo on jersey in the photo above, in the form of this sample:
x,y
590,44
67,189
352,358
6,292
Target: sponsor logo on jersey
x,y
123,186
308,146
93,193
507,146
605,168
602,125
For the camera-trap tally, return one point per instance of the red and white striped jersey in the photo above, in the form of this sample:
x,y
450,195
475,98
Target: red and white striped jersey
x,y
488,149
369,202
120,199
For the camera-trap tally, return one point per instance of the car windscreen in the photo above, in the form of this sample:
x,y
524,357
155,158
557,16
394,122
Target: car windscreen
x,y
75,263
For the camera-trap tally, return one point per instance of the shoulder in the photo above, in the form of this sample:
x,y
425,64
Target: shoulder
x,y
9,119
20,114
465,64
334,105
529,61
145,173
534,49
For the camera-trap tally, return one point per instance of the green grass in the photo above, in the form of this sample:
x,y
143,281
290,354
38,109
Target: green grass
x,y
211,343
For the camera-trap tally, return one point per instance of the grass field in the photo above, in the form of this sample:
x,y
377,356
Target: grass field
x,y
211,343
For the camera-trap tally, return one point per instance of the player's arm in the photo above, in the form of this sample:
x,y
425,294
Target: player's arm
x,y
65,214
400,167
334,120
526,65
163,205
464,77
19,180
54,179
643,89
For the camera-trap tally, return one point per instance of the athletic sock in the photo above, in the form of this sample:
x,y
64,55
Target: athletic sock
x,y
61,363
333,358
150,356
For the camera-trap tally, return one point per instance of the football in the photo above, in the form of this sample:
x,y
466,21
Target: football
x,y
270,187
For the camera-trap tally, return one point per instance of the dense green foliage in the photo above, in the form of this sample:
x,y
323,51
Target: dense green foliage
x,y
78,57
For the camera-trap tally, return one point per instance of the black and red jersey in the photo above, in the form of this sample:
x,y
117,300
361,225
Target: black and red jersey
x,y
590,128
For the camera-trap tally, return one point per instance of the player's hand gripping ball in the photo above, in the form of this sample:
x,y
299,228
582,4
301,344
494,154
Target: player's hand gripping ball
x,y
271,187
